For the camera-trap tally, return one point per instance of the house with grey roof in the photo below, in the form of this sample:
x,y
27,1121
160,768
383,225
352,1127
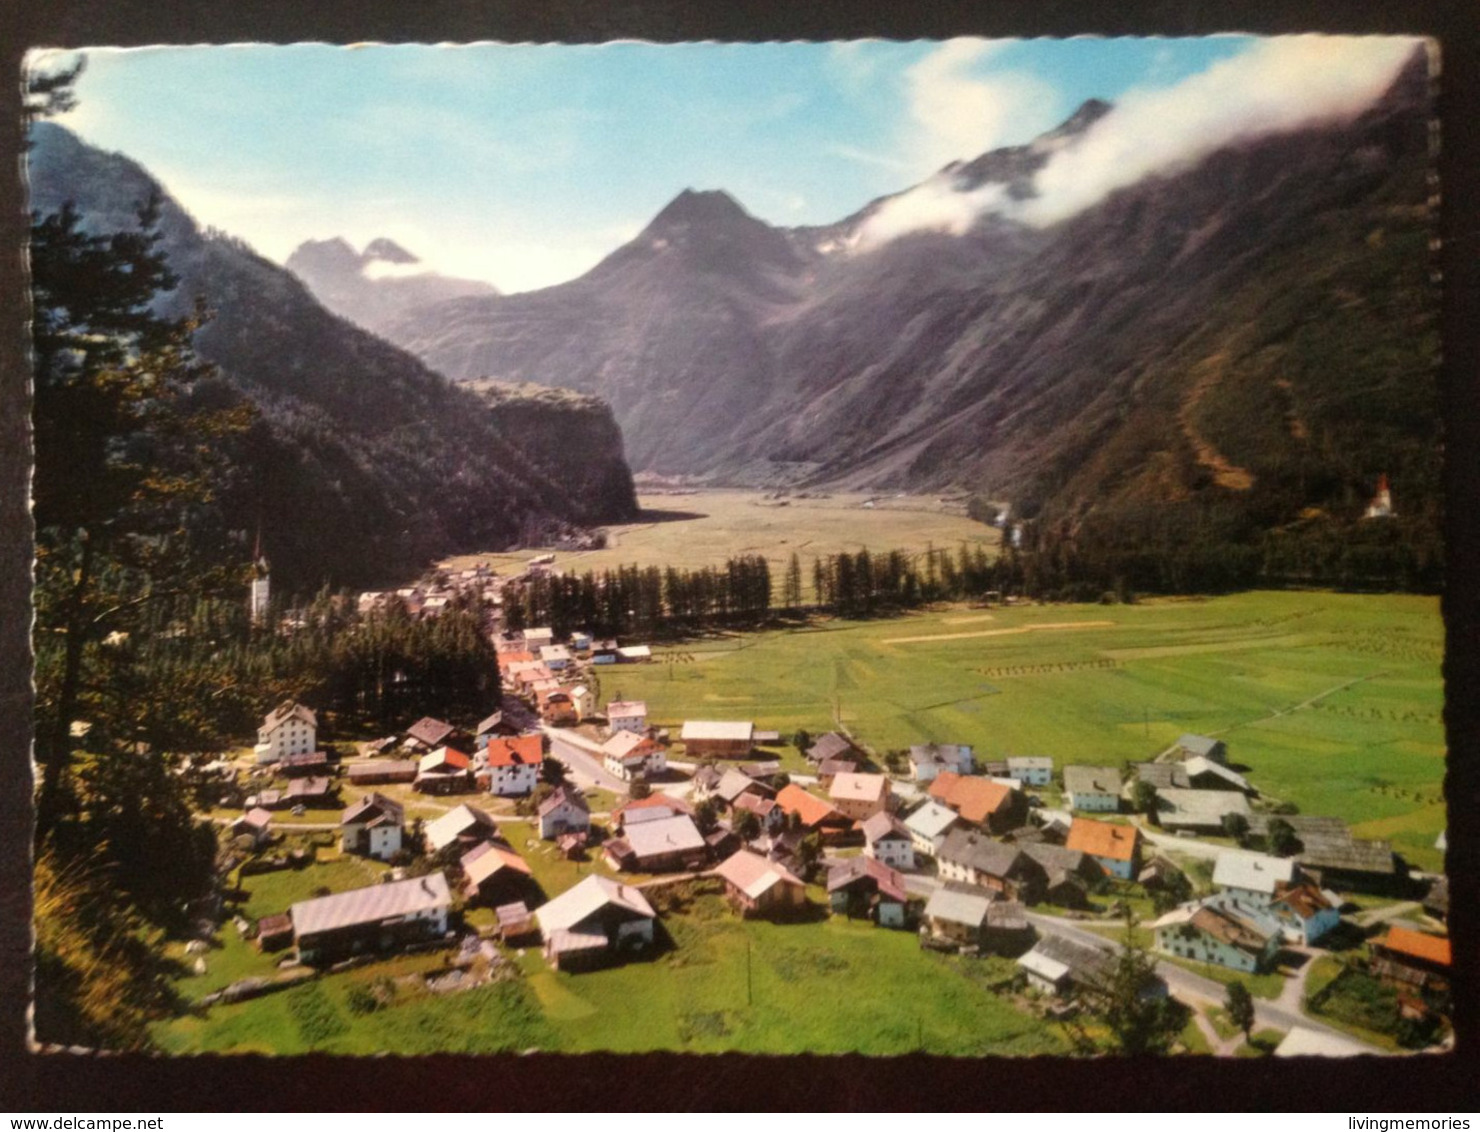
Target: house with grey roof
x,y
1205,746
1031,770
379,917
954,915
1095,789
928,826
598,919
928,759
1199,810
974,858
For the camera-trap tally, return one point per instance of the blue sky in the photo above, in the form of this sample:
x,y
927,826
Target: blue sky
x,y
523,165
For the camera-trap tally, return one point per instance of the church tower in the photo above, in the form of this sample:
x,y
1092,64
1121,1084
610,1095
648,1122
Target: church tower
x,y
260,588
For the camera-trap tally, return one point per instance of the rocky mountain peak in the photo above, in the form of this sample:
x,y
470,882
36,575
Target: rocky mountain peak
x,y
387,250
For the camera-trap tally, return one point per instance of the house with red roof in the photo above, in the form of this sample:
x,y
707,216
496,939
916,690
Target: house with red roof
x,y
444,771
513,764
1412,961
814,813
994,806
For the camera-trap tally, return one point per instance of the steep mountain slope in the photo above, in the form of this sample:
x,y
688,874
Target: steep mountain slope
x,y
1254,334
372,287
363,462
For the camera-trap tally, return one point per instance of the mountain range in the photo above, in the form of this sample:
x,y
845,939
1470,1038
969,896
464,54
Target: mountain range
x,y
372,287
362,464
1253,333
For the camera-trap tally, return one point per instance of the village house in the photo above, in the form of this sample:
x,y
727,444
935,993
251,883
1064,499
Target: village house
x,y
1095,789
886,840
1305,912
814,814
1253,879
377,918
656,844
1349,864
372,826
767,812
1065,968
487,728
626,715
1116,848
580,642
444,771
465,825
1414,962
513,764
604,651
831,745
596,920
583,699
1069,875
564,811
1031,770
829,769
711,739
755,886
927,760
291,729
928,826
382,772
495,874
630,755
981,802
1201,811
954,915
1202,746
557,707
514,922
973,858
859,796
705,782
556,658
735,782
538,638
427,734
256,823
866,887
767,773
1241,939
1162,775
634,654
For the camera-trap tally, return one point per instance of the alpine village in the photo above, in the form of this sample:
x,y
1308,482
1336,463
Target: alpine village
x,y
380,707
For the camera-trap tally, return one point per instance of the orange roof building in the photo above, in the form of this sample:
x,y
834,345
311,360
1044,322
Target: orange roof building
x,y
516,751
1116,847
812,810
1433,949
979,801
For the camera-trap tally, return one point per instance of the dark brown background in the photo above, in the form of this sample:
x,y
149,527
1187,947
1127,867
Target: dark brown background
x,y
63,1083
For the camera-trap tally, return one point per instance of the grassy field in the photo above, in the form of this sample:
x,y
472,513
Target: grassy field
x,y
726,985
703,529
1332,701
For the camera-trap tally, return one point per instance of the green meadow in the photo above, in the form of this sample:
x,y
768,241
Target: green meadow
x,y
706,527
1331,701
726,984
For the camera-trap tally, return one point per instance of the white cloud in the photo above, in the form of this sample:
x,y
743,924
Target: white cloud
x,y
934,206
1276,86
957,110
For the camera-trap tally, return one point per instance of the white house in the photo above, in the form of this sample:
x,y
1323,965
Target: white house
x,y
627,715
1241,939
1092,788
290,730
564,811
599,916
928,759
555,657
1253,879
1031,770
583,699
372,826
628,756
887,840
513,764
536,639
929,825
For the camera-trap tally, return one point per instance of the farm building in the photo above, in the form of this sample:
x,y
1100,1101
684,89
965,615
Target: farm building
x,y
1064,967
704,739
465,824
665,844
755,886
831,745
863,886
814,813
382,772
955,913
1199,810
599,918
1193,746
972,858
495,873
305,764
444,771
1413,961
256,823
376,918
428,734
